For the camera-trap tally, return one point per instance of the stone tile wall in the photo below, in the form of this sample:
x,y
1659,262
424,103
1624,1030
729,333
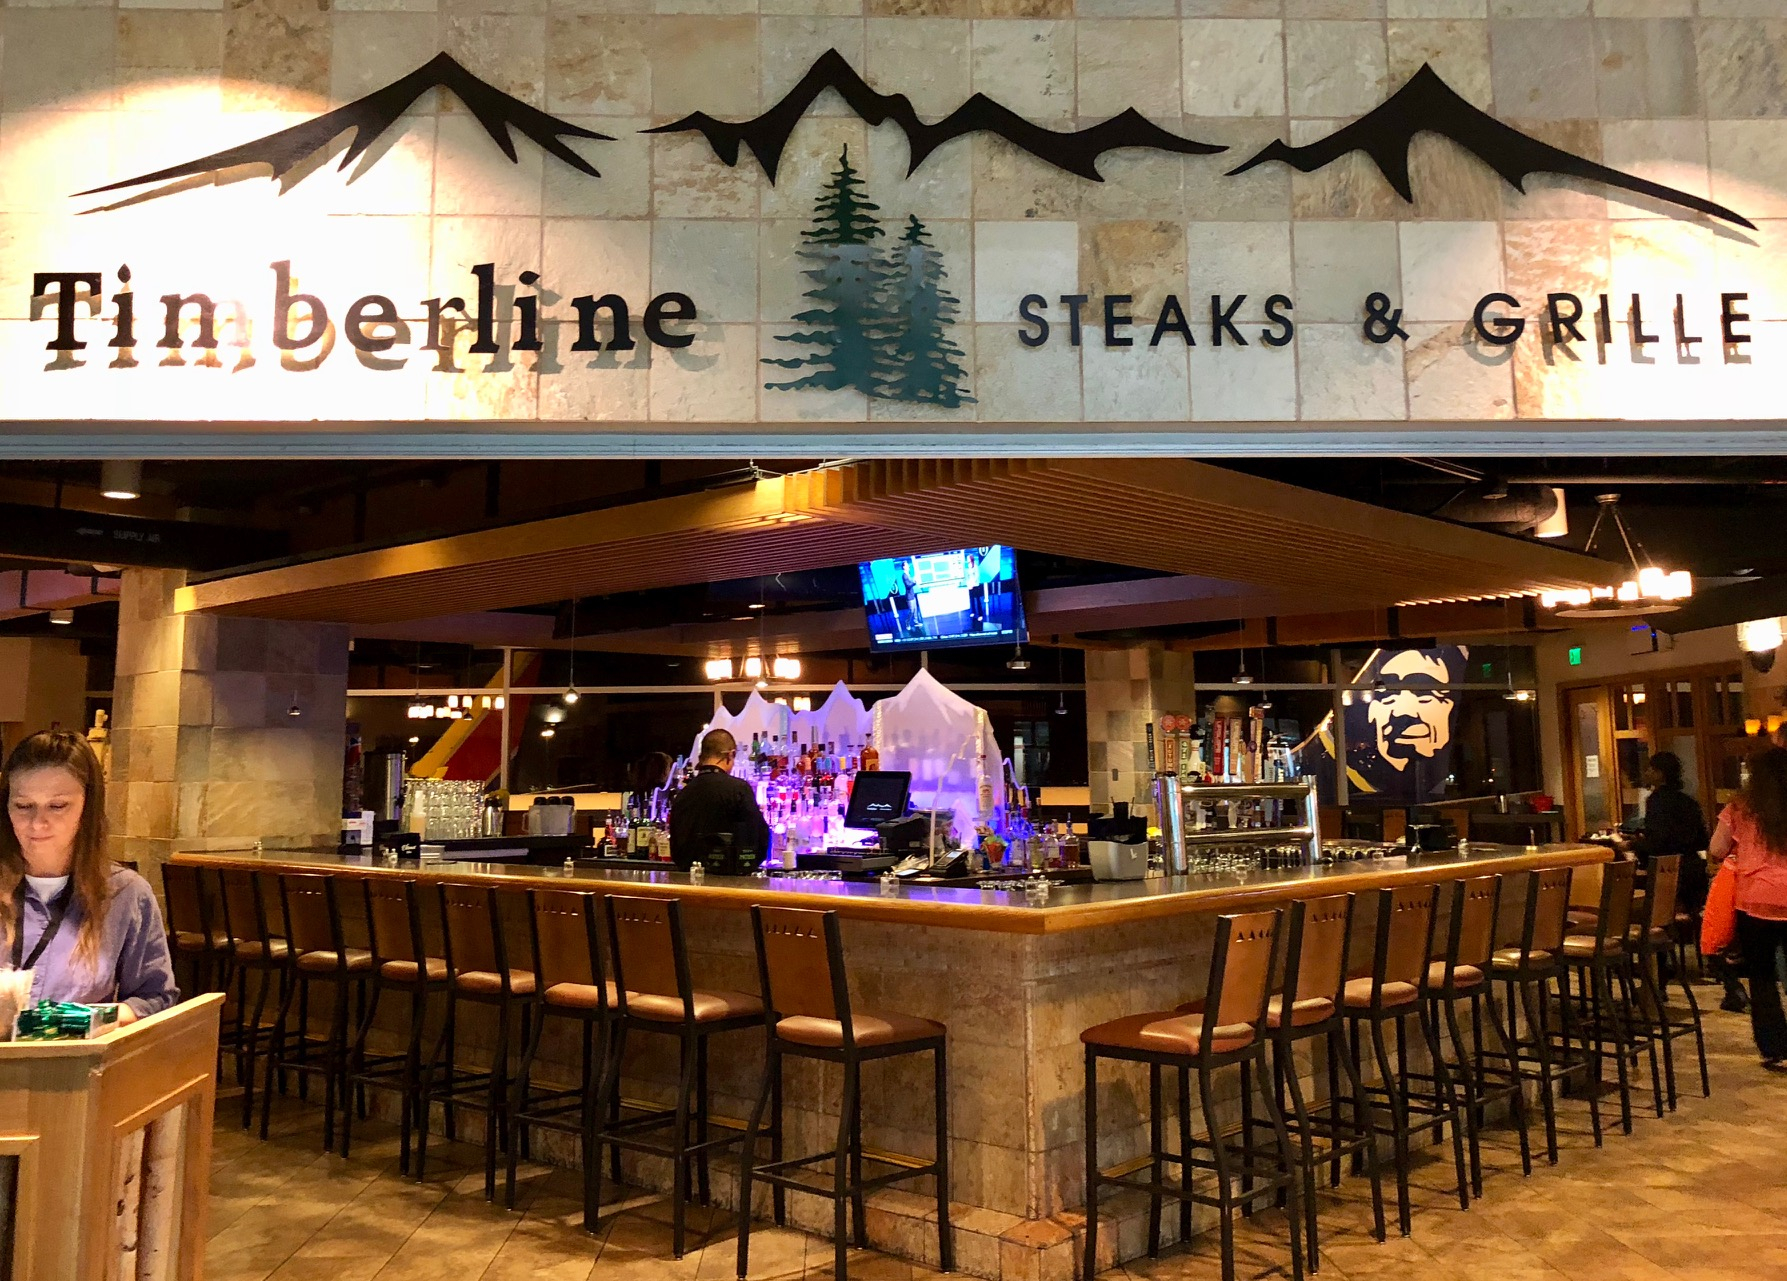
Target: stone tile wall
x,y
1688,93
1126,691
205,753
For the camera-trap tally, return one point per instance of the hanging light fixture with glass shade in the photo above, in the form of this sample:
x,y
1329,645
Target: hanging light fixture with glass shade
x,y
785,668
1017,662
1760,635
1557,524
571,695
1650,590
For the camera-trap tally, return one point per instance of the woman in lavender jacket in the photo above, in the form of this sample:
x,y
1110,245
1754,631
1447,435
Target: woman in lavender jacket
x,y
89,929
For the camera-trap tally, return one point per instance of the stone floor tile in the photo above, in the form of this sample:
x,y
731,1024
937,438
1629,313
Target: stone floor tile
x,y
1692,1197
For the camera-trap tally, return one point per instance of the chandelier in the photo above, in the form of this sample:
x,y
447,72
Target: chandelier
x,y
1650,590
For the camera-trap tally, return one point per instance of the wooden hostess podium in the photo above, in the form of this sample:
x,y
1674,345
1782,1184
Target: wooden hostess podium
x,y
105,1151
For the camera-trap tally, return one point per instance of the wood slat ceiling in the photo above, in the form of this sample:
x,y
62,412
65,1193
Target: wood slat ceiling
x,y
1192,518
1176,516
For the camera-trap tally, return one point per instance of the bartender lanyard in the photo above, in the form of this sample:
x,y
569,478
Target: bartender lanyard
x,y
58,910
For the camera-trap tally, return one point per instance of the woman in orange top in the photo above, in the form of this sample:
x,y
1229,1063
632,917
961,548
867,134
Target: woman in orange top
x,y
1752,832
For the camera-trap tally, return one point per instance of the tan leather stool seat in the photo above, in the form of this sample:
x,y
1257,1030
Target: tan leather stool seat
x,y
1580,946
1583,916
359,960
1171,1031
1684,918
867,1027
194,941
1311,1009
1508,958
410,971
490,983
710,1007
1357,993
1462,975
1658,934
581,996
251,950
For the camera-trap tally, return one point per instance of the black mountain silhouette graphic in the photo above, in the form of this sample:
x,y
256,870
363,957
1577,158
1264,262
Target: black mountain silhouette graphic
x,y
1077,152
1427,104
370,116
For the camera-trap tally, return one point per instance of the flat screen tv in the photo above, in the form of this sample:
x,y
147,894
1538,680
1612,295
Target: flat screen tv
x,y
944,599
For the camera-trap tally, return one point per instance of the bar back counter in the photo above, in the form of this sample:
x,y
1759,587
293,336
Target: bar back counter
x,y
1014,982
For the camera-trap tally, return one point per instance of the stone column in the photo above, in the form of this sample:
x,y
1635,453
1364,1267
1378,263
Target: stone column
x,y
1126,690
205,752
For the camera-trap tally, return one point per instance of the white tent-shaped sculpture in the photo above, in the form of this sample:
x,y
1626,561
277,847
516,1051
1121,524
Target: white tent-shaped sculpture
x,y
840,720
947,743
759,716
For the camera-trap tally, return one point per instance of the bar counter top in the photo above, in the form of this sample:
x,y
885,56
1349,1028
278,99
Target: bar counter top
x,y
1069,907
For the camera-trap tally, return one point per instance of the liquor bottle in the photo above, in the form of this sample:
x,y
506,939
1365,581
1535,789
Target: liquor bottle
x,y
871,758
608,840
803,764
984,792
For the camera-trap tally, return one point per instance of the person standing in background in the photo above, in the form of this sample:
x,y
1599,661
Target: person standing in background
x,y
1752,831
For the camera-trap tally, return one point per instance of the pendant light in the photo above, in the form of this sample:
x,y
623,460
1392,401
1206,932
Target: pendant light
x,y
571,695
1017,662
1650,590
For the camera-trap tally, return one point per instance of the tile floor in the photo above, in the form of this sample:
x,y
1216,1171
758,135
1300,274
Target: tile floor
x,y
1699,1196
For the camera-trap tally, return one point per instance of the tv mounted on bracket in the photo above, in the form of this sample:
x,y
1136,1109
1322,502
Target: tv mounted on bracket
x,y
943,600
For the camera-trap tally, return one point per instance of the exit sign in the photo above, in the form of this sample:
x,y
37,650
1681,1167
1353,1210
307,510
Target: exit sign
x,y
1575,656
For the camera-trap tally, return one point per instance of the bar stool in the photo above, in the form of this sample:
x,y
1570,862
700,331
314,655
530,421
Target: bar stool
x,y
1598,960
1388,996
1652,938
400,965
1230,1030
478,973
806,992
656,995
195,938
1318,939
252,949
1526,970
1462,974
318,953
567,952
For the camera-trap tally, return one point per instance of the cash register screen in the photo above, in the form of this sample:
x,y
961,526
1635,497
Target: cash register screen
x,y
878,796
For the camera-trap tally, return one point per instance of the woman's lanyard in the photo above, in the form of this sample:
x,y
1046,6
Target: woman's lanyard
x,y
58,910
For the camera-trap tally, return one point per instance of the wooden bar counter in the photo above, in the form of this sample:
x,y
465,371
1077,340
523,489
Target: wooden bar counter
x,y
1015,983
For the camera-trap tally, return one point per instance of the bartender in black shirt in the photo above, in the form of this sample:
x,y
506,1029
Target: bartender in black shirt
x,y
715,805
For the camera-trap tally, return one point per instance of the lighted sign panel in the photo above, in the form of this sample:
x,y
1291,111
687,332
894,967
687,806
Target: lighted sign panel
x,y
953,224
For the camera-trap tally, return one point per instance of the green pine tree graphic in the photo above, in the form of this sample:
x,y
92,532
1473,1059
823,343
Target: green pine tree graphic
x,y
846,324
919,361
880,321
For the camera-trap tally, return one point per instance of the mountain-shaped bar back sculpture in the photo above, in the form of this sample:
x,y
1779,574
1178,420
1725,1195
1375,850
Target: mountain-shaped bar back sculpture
x,y
1077,152
1427,104
370,116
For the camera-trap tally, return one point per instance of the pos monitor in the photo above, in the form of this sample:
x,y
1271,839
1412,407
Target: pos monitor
x,y
877,797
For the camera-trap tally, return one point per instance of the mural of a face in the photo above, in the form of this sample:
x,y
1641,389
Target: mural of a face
x,y
1414,721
